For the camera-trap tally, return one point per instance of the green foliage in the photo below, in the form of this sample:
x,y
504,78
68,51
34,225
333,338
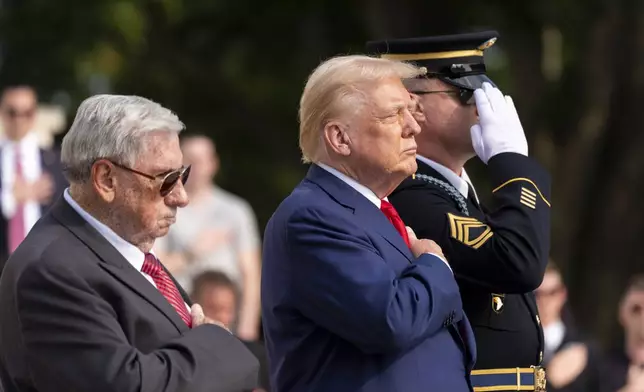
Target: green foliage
x,y
235,70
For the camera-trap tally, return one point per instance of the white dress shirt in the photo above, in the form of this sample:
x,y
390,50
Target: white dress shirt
x,y
458,182
131,253
366,192
31,171
363,190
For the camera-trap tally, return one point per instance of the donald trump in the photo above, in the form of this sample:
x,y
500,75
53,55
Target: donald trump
x,y
352,300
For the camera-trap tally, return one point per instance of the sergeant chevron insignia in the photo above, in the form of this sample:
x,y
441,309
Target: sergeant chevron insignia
x,y
469,231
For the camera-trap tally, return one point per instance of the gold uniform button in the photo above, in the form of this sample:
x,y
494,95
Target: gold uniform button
x,y
538,320
540,356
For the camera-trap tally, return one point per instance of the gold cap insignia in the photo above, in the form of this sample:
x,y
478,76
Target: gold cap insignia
x,y
487,44
469,231
497,302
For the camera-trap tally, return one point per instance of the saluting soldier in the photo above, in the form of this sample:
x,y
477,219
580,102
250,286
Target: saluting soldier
x,y
498,253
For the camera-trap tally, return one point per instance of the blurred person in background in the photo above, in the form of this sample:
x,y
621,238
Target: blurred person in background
x,y
219,297
571,362
623,369
217,231
499,252
31,177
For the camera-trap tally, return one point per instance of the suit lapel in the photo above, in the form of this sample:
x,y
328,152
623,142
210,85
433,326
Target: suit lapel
x,y
48,158
113,262
366,213
370,216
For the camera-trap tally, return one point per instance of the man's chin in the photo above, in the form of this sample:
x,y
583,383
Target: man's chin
x,y
411,166
163,230
406,169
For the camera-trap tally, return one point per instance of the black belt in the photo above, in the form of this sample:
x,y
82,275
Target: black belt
x,y
510,379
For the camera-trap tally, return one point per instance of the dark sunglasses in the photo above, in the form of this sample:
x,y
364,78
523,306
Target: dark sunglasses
x,y
465,96
169,179
14,113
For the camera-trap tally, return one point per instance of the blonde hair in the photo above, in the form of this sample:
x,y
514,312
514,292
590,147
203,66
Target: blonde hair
x,y
339,84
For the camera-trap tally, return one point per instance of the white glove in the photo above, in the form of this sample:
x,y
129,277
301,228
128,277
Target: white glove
x,y
499,128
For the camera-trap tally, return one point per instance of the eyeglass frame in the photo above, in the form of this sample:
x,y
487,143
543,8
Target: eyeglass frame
x,y
464,95
183,171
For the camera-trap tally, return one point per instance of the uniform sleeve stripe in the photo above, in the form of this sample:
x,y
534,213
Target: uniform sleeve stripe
x,y
528,194
529,198
526,180
528,203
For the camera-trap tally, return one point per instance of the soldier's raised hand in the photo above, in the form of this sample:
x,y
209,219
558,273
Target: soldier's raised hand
x,y
499,129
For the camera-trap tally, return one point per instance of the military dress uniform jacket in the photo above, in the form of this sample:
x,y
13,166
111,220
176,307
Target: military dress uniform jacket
x,y
498,256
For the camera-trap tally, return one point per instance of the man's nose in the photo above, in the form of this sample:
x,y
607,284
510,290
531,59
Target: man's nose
x,y
178,197
411,125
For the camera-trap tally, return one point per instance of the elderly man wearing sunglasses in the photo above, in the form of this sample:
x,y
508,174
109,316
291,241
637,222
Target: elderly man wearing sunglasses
x,y
84,303
498,255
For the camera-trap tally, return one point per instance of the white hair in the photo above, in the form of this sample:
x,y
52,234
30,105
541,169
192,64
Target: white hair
x,y
110,127
338,85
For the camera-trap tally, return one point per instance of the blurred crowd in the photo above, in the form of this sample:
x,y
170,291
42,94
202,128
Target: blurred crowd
x,y
214,251
575,362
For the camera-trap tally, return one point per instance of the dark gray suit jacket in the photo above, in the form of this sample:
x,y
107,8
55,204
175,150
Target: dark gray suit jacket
x,y
76,316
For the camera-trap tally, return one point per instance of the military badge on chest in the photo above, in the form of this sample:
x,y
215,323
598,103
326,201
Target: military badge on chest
x,y
498,303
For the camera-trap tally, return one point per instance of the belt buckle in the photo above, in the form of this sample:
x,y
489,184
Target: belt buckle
x,y
539,378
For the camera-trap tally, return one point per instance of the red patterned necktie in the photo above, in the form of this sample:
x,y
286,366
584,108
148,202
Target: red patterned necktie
x,y
166,286
17,222
391,214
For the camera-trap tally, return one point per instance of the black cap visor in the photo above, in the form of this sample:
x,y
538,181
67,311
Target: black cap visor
x,y
470,82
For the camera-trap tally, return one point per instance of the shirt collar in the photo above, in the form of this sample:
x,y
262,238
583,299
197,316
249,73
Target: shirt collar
x,y
130,252
460,183
28,141
363,190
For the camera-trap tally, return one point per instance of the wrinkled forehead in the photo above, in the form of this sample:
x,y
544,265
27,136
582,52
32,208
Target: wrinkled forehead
x,y
160,149
388,93
21,98
634,297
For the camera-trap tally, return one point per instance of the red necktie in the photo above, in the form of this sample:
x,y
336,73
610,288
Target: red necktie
x,y
166,286
17,221
391,214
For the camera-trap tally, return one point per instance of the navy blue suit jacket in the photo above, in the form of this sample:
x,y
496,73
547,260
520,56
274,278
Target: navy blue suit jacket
x,y
346,306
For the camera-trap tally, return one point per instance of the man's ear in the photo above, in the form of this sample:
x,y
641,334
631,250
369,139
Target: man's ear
x,y
337,138
104,180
